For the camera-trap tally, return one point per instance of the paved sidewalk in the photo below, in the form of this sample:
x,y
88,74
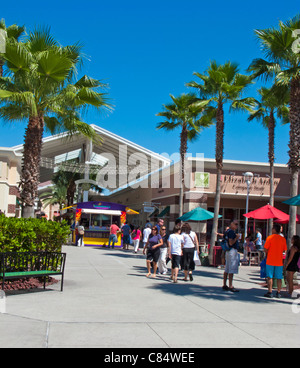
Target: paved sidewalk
x,y
108,302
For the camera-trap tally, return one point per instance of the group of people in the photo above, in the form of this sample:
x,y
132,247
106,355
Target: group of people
x,y
178,247
275,248
182,246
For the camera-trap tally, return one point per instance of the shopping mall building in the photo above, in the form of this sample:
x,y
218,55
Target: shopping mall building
x,y
145,181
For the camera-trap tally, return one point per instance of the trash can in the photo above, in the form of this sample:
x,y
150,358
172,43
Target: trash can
x,y
204,259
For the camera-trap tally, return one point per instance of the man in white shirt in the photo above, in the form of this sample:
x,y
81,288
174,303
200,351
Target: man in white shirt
x,y
146,233
175,251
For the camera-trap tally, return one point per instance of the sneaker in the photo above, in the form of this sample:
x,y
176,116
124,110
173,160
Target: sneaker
x,y
268,295
278,295
225,288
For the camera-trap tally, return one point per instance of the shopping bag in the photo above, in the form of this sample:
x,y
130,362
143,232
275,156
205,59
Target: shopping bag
x,y
197,259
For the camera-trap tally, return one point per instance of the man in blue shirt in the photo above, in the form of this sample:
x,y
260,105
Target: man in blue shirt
x,y
126,230
258,240
231,256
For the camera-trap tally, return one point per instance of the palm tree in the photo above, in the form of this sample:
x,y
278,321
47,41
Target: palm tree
x,y
271,103
184,114
57,195
41,89
12,32
221,84
283,62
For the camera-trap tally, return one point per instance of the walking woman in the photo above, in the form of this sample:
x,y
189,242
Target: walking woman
x,y
162,262
190,244
292,261
136,237
153,252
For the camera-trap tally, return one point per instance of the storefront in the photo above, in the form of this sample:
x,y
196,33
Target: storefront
x,y
97,217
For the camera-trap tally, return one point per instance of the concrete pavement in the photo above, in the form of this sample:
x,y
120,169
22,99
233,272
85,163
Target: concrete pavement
x,y
108,302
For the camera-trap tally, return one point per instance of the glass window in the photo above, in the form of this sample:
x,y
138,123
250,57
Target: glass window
x,y
106,220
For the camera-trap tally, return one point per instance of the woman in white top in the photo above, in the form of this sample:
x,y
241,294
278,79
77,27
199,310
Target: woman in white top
x,y
190,244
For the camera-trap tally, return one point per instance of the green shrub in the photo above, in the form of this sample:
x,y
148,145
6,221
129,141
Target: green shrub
x,y
32,235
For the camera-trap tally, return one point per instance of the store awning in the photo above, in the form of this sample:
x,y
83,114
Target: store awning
x,y
165,212
67,208
129,211
102,212
154,213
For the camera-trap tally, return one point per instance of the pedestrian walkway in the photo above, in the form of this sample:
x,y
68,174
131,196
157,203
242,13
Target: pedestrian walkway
x,y
108,302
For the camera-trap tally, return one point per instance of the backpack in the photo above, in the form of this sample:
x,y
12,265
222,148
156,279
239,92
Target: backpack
x,y
225,243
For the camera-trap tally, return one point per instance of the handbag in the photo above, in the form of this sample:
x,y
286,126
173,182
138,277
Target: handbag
x,y
196,255
196,258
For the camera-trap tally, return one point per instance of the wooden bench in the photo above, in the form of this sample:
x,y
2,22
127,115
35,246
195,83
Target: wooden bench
x,y
18,265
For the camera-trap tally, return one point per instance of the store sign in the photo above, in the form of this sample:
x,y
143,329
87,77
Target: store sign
x,y
149,209
101,207
202,180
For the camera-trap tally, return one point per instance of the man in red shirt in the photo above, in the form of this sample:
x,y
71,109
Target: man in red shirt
x,y
113,235
275,246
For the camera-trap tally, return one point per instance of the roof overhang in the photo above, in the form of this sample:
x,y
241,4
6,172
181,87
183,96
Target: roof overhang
x,y
123,153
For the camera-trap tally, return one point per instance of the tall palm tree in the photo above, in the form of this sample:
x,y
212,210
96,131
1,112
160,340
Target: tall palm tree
x,y
221,84
271,104
41,89
12,32
184,114
283,62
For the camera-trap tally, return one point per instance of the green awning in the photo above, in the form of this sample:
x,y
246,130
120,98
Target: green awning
x,y
165,212
153,213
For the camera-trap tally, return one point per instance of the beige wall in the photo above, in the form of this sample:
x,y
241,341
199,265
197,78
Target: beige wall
x,y
10,166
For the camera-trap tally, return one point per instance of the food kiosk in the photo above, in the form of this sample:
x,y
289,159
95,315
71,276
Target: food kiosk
x,y
97,217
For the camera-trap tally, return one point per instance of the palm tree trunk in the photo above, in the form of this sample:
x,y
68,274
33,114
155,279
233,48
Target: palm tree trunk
x,y
293,209
219,164
183,150
1,67
271,161
31,165
294,152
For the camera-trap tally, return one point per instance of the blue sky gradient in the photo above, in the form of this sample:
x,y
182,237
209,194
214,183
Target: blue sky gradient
x,y
147,50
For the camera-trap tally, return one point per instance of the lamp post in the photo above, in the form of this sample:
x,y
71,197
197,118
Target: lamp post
x,y
248,178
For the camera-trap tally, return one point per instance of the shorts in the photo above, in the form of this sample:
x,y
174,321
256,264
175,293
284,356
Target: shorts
x,y
176,260
274,272
126,239
153,255
232,261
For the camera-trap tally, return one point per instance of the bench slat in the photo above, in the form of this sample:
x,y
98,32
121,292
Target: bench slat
x,y
29,273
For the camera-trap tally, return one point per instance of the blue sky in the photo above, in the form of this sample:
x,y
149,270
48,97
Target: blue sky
x,y
147,50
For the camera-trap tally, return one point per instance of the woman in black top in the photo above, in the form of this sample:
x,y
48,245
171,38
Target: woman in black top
x,y
292,260
154,242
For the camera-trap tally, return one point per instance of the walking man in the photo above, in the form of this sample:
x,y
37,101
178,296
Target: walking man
x,y
275,246
113,235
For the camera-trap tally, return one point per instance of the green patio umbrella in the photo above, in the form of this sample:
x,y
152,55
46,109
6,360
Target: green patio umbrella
x,y
294,201
198,214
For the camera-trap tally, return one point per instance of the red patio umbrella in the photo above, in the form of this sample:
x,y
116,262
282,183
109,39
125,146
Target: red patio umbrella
x,y
267,212
288,220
